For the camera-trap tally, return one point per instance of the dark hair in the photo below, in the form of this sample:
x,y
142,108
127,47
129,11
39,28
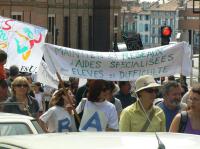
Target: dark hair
x,y
3,55
95,88
3,83
109,85
171,78
122,83
196,88
66,84
13,70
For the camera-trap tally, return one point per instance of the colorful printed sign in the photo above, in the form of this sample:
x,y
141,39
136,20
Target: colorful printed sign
x,y
23,43
119,66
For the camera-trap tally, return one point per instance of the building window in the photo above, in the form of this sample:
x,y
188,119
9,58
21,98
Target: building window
x,y
159,21
79,32
51,23
146,39
146,27
66,32
133,27
17,16
153,30
153,20
153,40
146,17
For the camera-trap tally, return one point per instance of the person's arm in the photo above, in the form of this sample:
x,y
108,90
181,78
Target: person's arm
x,y
43,126
175,123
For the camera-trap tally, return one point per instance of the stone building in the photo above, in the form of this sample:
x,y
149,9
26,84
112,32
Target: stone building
x,y
189,24
83,24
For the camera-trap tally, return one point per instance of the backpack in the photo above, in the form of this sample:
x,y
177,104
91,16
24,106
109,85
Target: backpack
x,y
183,121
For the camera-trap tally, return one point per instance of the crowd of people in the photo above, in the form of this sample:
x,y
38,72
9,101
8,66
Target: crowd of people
x,y
101,105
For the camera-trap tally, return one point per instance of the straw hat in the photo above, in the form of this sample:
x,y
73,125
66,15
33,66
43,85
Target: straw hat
x,y
144,82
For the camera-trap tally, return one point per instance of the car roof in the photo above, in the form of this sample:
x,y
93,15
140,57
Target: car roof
x,y
103,140
4,115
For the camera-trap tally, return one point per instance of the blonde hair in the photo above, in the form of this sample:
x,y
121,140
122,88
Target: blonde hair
x,y
19,80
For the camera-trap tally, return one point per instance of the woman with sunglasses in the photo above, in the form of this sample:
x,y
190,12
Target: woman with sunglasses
x,y
57,118
20,102
143,116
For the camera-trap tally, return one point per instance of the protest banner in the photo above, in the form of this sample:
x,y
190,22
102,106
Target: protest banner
x,y
46,77
119,66
23,43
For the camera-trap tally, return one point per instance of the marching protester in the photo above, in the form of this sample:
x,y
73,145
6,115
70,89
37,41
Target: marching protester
x,y
57,118
111,90
20,102
3,59
124,94
143,116
189,121
13,73
48,91
98,113
171,103
39,96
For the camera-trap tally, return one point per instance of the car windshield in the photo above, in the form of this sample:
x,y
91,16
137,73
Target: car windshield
x,y
7,129
37,126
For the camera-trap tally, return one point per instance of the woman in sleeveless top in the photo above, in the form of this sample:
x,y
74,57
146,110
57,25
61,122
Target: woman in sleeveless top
x,y
193,121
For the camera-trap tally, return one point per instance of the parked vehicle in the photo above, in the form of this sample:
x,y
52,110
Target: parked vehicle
x,y
15,124
101,140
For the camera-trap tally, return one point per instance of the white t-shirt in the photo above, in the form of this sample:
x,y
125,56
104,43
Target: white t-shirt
x,y
58,119
39,98
97,116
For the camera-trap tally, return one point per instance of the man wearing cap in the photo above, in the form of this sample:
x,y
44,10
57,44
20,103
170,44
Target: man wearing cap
x,y
134,117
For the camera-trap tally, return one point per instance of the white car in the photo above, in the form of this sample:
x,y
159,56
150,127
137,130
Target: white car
x,y
16,124
101,140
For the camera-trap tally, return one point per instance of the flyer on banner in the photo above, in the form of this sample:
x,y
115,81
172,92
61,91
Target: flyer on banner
x,y
119,66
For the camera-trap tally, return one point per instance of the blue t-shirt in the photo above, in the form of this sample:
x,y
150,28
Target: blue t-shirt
x,y
169,114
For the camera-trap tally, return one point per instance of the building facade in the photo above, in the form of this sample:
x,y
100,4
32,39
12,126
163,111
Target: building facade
x,y
189,24
161,15
82,24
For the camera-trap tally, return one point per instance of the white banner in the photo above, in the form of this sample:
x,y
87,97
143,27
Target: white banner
x,y
119,66
23,43
45,76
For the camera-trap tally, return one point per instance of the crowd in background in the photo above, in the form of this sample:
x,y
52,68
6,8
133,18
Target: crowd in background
x,y
102,105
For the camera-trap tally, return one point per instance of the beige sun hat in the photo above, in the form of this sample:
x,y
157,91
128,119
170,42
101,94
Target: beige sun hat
x,y
144,82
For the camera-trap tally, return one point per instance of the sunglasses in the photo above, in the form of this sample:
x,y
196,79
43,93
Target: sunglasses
x,y
152,90
22,85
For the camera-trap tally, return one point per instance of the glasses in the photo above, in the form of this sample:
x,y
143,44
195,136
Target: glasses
x,y
151,90
22,85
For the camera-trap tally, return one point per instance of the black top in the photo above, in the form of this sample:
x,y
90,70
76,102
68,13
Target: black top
x,y
12,106
81,93
126,100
